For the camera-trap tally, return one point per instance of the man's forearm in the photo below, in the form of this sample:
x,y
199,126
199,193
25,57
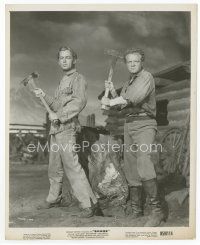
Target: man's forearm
x,y
118,101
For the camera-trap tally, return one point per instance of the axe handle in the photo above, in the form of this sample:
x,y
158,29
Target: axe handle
x,y
55,122
45,104
104,107
41,97
30,81
111,72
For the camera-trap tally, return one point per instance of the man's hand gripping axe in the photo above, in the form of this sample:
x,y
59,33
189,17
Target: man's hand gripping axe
x,y
29,81
115,56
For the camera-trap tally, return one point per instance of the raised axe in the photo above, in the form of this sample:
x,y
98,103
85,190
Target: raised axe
x,y
29,81
115,56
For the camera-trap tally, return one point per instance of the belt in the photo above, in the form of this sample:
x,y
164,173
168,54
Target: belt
x,y
139,117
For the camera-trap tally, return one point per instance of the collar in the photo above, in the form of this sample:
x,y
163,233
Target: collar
x,y
70,72
137,74
133,77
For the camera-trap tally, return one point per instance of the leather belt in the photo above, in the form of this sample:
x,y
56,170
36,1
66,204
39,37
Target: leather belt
x,y
138,118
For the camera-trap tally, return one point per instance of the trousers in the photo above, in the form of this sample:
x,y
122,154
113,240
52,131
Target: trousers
x,y
64,159
139,137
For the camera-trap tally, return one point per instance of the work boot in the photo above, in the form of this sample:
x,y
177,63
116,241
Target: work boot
x,y
65,202
62,203
136,202
86,213
157,215
47,205
97,210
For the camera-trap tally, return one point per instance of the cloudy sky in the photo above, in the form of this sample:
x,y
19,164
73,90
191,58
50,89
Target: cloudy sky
x,y
36,37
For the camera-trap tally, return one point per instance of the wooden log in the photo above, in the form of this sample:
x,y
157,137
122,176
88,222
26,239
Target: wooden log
x,y
117,133
179,104
164,128
110,119
116,128
177,72
116,123
115,120
176,123
172,95
177,115
174,86
112,112
162,82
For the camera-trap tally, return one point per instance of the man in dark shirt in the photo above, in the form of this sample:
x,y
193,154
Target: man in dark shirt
x,y
139,134
68,101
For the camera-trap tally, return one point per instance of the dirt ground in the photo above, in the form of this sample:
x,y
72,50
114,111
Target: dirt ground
x,y
29,187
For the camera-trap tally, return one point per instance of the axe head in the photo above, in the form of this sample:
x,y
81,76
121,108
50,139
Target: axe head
x,y
113,53
31,76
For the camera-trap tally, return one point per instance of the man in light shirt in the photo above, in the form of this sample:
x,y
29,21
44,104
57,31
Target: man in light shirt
x,y
69,100
139,131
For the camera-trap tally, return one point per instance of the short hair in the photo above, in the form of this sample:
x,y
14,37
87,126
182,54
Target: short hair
x,y
63,48
133,51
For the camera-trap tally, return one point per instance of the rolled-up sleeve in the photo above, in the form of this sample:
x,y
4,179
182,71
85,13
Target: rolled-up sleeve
x,y
76,103
139,90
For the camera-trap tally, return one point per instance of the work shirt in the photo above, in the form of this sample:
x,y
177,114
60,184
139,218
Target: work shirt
x,y
68,101
140,91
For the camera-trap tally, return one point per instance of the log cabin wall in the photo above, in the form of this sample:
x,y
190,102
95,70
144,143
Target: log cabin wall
x,y
173,91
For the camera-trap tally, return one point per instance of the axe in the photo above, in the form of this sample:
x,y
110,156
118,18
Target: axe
x,y
115,56
29,81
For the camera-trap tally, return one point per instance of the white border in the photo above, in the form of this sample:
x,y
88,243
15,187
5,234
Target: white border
x,y
2,97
